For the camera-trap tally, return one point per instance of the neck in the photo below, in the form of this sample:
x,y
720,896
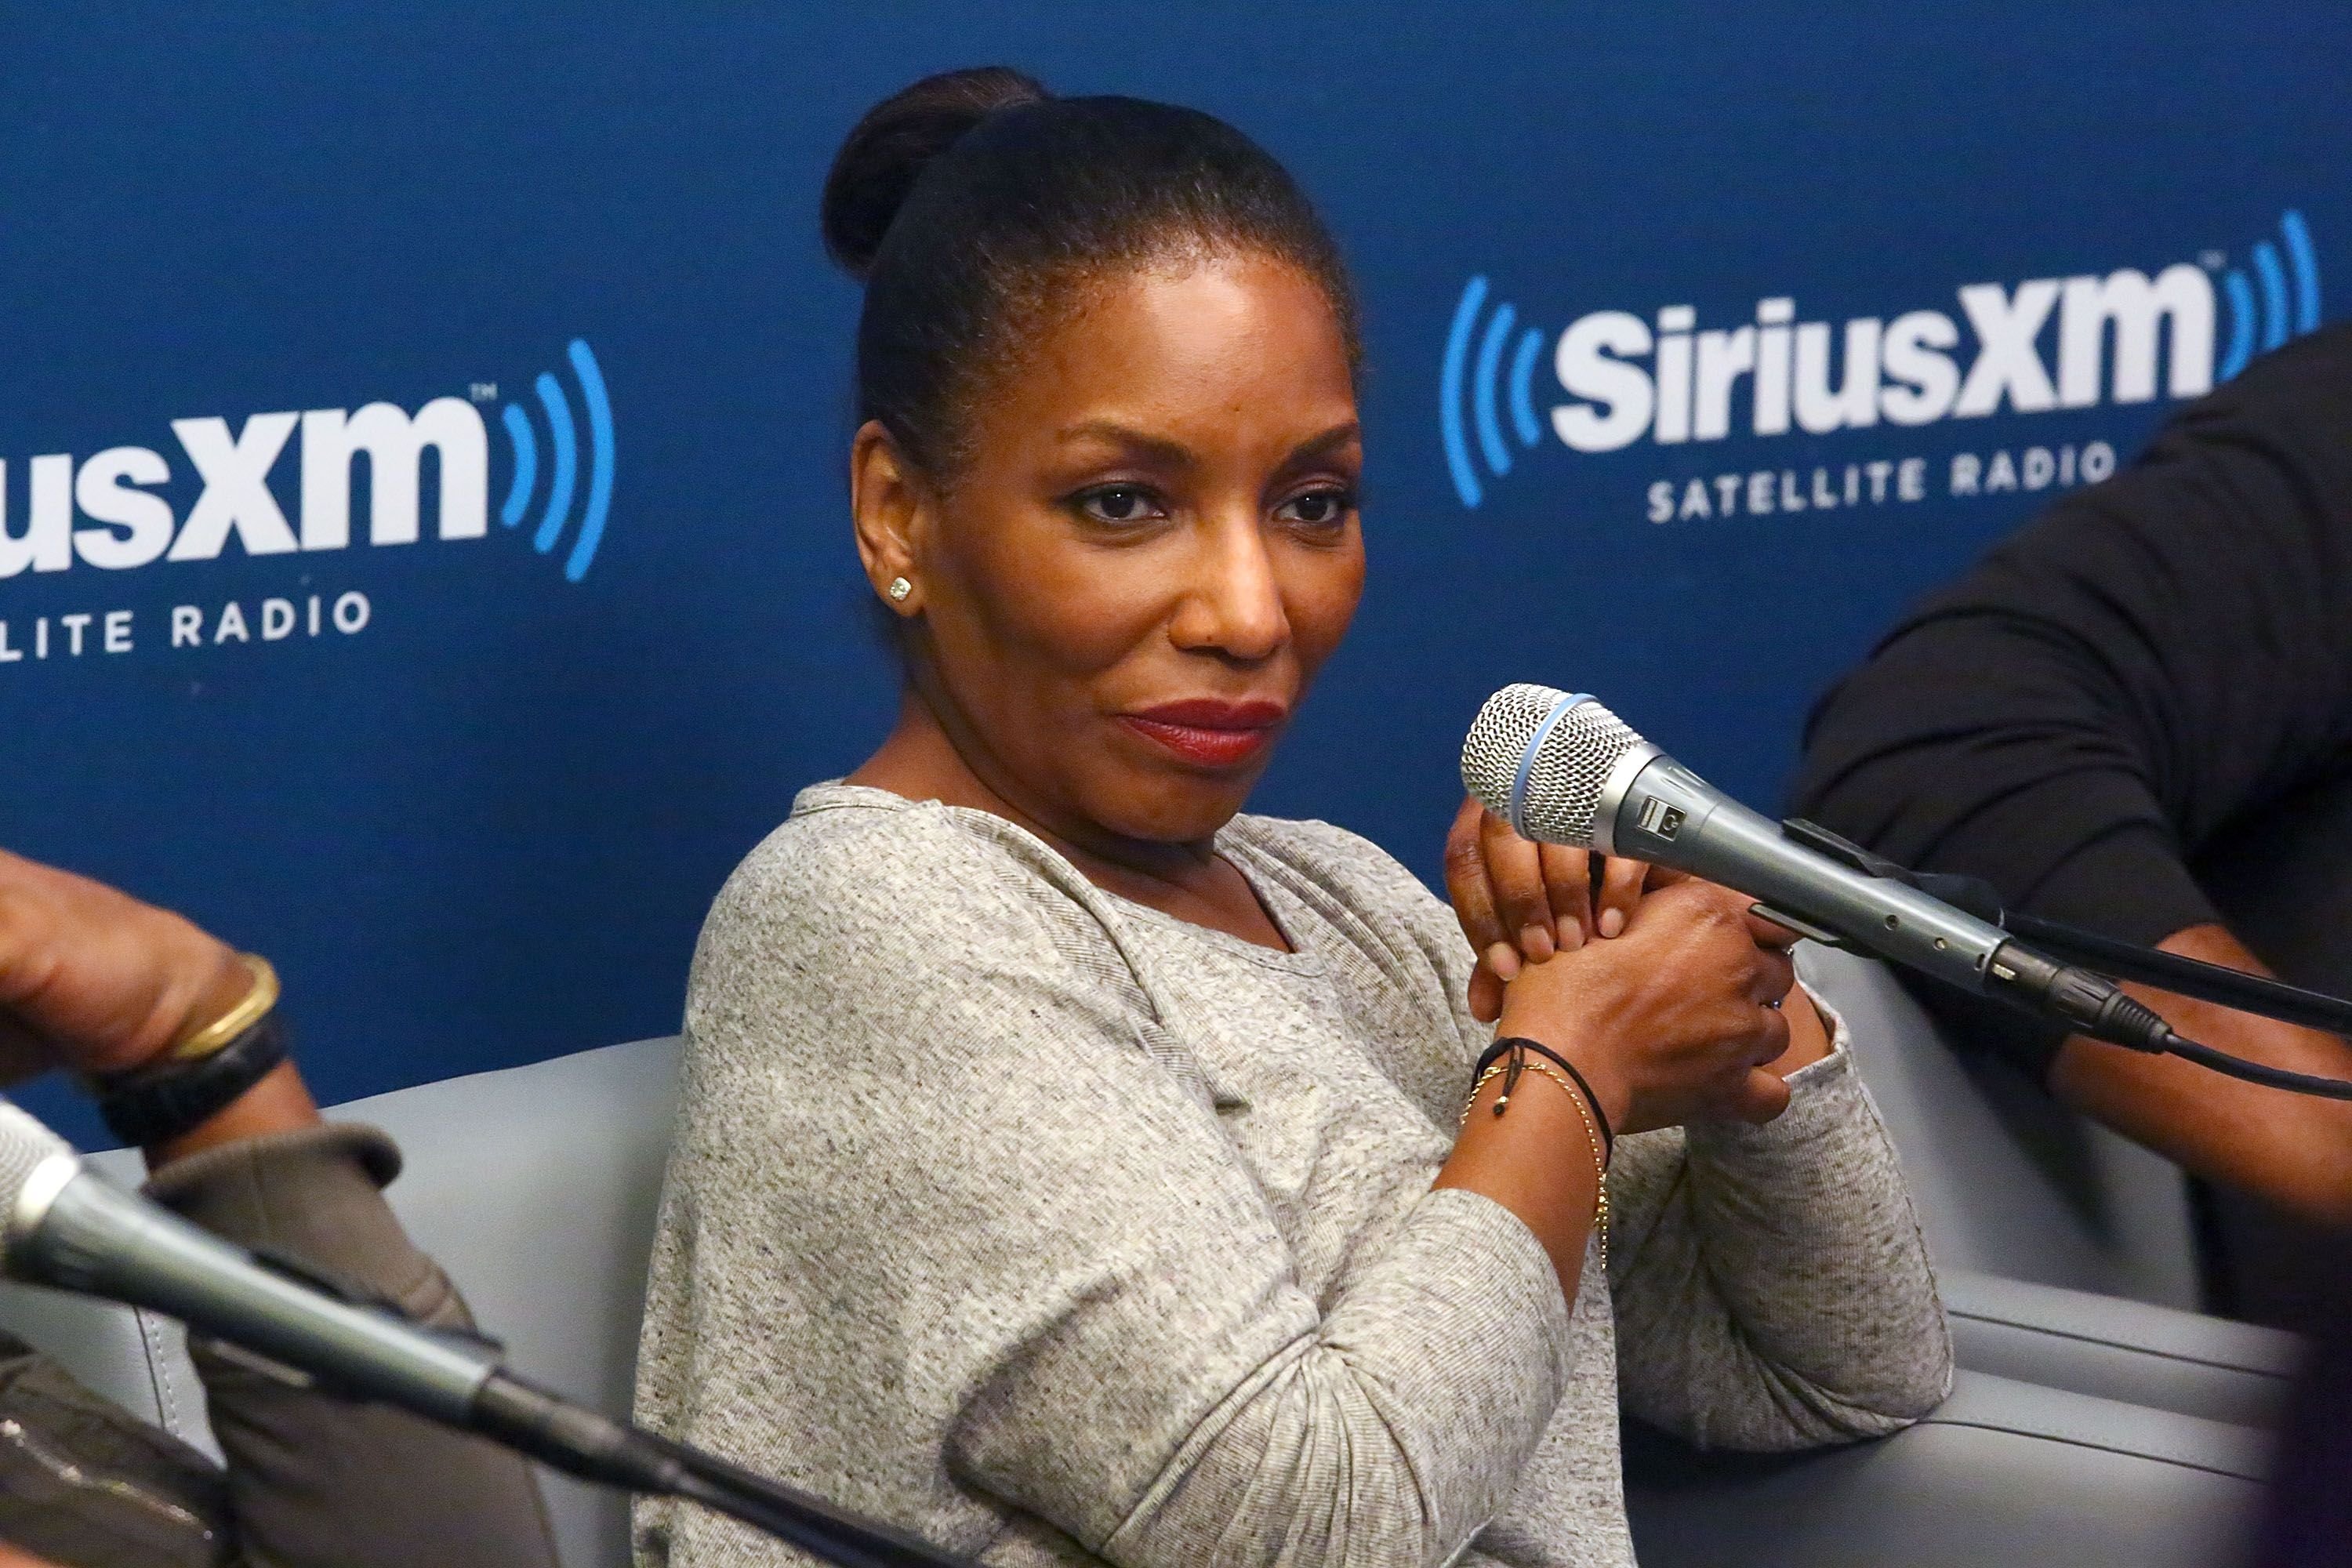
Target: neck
x,y
927,758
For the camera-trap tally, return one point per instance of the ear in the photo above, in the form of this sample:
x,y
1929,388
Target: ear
x,y
891,508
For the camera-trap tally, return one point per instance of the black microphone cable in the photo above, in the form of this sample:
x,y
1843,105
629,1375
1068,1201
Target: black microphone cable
x,y
2131,1025
2269,1077
597,1448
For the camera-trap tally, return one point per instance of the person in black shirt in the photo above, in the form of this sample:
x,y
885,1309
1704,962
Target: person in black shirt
x,y
2136,715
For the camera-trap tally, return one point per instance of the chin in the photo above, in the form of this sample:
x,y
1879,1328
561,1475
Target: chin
x,y
1182,809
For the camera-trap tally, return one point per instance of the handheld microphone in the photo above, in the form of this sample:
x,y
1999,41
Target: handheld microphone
x,y
67,1227
71,1230
1563,769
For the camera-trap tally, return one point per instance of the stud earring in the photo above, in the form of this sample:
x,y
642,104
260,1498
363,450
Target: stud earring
x,y
898,589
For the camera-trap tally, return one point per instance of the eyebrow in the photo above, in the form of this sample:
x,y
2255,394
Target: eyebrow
x,y
1330,441
1160,448
1157,447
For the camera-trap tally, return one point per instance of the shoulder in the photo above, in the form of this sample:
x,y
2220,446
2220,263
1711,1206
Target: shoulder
x,y
860,886
846,842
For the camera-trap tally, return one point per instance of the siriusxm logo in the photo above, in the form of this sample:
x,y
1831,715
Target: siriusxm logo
x,y
104,512
2121,338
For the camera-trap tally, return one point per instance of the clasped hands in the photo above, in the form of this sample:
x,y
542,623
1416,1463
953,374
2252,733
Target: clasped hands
x,y
1678,1002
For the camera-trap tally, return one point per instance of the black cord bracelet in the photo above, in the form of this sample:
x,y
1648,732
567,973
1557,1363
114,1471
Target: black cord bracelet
x,y
1502,1047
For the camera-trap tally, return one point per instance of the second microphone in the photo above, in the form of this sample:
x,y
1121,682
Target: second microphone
x,y
1563,769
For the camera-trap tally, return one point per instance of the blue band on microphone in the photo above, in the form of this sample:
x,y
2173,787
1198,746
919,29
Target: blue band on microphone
x,y
1527,758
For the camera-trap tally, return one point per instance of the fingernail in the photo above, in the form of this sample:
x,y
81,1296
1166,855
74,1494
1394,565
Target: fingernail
x,y
1571,936
1611,921
1535,942
1503,962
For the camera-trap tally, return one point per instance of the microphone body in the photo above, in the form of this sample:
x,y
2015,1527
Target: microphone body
x,y
73,1230
64,1226
1560,768
76,1231
1654,809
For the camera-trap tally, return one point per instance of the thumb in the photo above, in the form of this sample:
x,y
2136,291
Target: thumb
x,y
1486,994
1760,1097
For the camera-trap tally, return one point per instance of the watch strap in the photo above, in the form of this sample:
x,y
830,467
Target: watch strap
x,y
165,1100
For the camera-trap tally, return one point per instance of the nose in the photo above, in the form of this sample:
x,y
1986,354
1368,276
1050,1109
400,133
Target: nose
x,y
1232,606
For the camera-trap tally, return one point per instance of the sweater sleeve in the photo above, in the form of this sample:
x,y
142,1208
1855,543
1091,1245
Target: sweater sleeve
x,y
932,1145
2153,657
313,1478
1771,1285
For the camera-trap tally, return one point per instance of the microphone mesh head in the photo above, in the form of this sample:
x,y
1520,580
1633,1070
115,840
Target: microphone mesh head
x,y
1573,754
24,1144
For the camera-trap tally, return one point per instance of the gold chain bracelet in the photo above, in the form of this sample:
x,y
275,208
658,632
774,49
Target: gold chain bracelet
x,y
1591,1135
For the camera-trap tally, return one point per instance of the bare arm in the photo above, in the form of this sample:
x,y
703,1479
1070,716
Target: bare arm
x,y
2295,1149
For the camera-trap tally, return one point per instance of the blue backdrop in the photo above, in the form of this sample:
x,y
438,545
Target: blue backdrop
x,y
472,783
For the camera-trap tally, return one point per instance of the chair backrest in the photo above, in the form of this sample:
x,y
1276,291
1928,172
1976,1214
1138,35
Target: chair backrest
x,y
535,1188
2008,1182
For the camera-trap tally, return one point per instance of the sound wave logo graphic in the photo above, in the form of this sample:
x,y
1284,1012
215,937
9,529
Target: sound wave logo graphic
x,y
2271,323
1487,389
563,465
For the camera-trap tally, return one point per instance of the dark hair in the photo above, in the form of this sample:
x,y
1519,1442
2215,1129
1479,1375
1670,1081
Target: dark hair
x,y
964,202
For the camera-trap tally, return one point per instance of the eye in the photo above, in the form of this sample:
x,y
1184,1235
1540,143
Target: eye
x,y
1325,507
1119,504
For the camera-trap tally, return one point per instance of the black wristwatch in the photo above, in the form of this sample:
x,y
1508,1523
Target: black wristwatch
x,y
158,1103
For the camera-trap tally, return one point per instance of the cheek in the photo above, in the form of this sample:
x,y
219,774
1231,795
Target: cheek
x,y
1043,598
1320,595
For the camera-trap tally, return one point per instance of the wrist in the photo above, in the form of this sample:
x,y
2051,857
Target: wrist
x,y
223,1078
218,986
195,997
279,1102
1608,1083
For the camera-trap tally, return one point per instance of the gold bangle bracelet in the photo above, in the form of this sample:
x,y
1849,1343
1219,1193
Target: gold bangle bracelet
x,y
1592,1138
250,1009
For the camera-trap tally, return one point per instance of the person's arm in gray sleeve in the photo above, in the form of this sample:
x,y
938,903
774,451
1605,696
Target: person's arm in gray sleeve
x,y
314,1479
1771,1286
942,1133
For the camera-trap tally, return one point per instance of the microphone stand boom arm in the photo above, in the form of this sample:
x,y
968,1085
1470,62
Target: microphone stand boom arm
x,y
2172,972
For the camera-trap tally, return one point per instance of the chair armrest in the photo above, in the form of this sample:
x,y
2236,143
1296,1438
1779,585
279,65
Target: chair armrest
x,y
137,1360
2002,1472
2127,1350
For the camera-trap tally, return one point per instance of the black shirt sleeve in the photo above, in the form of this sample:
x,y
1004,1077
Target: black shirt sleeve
x,y
2151,660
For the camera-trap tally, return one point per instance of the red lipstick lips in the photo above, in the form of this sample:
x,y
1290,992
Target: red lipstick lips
x,y
1209,732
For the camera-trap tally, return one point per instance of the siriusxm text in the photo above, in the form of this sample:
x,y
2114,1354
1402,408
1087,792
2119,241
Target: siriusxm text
x,y
2119,337
107,511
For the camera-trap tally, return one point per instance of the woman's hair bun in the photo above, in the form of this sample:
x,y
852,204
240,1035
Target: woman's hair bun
x,y
888,150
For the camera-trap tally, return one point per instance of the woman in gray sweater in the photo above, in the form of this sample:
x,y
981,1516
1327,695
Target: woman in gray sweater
x,y
1072,1169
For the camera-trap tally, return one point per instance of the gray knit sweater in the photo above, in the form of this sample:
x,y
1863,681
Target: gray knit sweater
x,y
1060,1230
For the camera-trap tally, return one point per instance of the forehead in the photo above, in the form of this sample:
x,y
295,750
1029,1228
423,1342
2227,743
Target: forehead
x,y
1208,349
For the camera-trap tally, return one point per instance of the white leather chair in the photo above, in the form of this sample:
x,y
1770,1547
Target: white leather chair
x,y
2009,1182
536,1187
2017,1195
